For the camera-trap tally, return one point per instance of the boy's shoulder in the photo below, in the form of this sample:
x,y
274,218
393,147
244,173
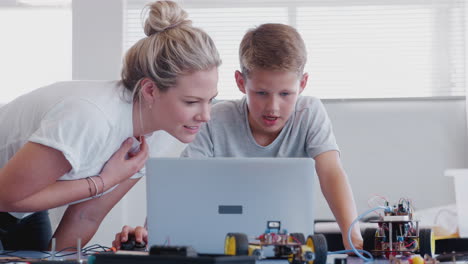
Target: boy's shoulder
x,y
308,103
308,111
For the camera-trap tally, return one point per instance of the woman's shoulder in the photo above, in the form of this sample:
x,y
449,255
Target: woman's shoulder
x,y
62,97
68,90
77,87
101,101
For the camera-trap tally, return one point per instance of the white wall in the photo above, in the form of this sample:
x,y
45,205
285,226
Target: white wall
x,y
400,148
395,148
97,39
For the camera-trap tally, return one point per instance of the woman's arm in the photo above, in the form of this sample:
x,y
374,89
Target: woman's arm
x,y
32,173
31,169
57,194
83,219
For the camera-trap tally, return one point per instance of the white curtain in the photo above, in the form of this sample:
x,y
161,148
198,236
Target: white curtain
x,y
356,48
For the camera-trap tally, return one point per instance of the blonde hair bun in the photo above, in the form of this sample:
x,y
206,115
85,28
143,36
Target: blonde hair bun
x,y
173,48
164,15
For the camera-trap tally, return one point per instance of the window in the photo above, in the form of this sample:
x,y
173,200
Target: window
x,y
36,45
356,48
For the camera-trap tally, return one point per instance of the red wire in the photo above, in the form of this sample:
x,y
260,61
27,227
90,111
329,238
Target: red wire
x,y
410,244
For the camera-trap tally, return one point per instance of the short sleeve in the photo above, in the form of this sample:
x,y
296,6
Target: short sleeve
x,y
202,146
77,128
320,137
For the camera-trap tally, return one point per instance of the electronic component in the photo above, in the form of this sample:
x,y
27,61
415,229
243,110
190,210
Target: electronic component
x,y
291,246
398,233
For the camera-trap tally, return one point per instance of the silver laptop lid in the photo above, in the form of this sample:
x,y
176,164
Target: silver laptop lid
x,y
197,202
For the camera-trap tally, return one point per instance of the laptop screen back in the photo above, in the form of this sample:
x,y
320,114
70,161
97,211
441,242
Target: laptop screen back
x,y
196,202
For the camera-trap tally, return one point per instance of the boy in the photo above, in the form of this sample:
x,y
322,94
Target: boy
x,y
273,120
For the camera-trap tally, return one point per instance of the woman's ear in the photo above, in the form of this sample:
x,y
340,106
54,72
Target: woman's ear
x,y
240,81
149,91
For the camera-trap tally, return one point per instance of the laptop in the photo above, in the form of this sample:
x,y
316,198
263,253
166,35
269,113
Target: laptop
x,y
196,202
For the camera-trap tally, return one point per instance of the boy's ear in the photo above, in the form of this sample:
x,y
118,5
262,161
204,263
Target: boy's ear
x,y
149,91
240,81
303,82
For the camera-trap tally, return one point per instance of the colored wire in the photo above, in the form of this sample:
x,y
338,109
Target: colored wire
x,y
350,251
356,251
96,248
410,244
372,202
296,240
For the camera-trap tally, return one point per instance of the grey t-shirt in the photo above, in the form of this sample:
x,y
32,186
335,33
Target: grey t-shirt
x,y
307,133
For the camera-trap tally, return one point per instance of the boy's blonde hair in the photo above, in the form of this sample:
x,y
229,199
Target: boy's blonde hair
x,y
275,47
173,47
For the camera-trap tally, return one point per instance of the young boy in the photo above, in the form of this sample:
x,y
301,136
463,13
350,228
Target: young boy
x,y
273,120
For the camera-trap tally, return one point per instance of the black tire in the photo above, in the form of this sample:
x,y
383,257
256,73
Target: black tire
x,y
318,243
426,242
369,239
298,237
242,243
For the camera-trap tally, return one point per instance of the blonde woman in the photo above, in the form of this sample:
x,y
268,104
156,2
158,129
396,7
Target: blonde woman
x,y
83,143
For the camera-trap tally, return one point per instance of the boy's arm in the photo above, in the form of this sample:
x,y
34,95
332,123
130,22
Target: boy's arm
x,y
337,191
202,146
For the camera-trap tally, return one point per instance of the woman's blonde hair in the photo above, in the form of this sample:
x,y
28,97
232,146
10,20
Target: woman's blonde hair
x,y
173,47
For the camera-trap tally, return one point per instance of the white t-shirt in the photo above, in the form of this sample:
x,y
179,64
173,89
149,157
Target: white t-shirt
x,y
86,120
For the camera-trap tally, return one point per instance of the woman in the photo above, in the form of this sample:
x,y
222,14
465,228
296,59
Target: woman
x,y
62,144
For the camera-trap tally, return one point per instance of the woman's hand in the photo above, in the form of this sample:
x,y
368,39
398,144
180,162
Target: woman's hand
x,y
119,168
140,233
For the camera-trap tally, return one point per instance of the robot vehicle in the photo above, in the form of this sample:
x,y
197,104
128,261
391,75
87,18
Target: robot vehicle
x,y
293,246
399,234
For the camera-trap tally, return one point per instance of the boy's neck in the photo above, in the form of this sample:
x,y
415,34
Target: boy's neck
x,y
263,139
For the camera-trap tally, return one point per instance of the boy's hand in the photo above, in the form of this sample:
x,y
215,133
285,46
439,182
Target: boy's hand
x,y
356,239
140,233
